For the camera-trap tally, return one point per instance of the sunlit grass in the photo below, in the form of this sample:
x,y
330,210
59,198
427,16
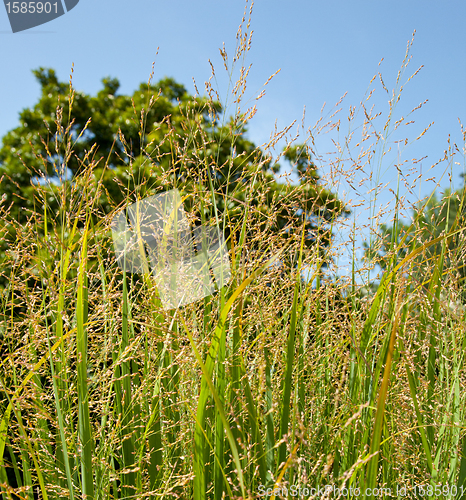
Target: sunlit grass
x,y
272,382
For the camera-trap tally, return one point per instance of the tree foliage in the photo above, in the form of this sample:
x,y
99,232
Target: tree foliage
x,y
158,138
444,216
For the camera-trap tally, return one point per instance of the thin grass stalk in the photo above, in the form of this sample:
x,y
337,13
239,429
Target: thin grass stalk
x,y
208,388
124,401
456,419
290,354
27,440
5,421
235,375
285,467
201,473
434,292
174,372
4,424
461,483
256,438
23,478
269,420
84,422
200,443
221,411
102,482
219,464
154,425
372,466
63,458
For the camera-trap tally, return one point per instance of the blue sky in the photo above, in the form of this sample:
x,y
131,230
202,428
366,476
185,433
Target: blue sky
x,y
323,49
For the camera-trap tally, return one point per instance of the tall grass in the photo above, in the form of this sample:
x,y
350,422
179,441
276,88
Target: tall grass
x,y
273,385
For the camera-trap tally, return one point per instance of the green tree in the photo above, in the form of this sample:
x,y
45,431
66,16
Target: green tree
x,y
159,138
430,220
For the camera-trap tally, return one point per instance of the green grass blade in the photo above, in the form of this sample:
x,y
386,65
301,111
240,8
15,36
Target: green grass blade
x,y
220,410
84,421
124,402
421,425
4,423
372,467
219,465
290,354
199,433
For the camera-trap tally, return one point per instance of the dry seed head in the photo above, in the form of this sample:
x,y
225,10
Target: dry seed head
x,y
223,53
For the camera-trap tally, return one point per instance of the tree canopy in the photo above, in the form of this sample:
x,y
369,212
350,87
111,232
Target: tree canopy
x,y
431,220
156,139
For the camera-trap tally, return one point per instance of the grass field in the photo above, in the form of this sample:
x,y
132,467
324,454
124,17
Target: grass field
x,y
272,382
